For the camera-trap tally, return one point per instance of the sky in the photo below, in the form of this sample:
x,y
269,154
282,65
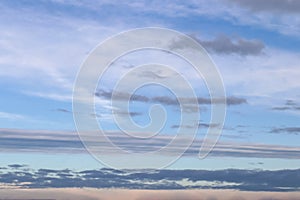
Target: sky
x,y
254,45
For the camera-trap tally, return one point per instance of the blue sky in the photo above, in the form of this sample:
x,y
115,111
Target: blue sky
x,y
256,48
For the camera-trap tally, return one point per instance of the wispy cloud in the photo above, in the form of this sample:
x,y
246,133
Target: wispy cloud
x,y
289,105
223,44
68,142
289,130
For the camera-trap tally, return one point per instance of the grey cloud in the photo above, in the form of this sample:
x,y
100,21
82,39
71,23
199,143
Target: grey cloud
x,y
235,100
178,126
63,110
277,6
224,45
66,142
256,163
16,166
199,125
246,180
133,114
206,125
166,100
154,75
121,96
290,130
289,105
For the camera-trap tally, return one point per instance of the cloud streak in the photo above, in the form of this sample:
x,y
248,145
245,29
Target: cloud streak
x,y
289,130
68,142
289,105
225,45
166,100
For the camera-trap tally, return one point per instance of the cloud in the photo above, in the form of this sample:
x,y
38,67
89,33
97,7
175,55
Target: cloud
x,y
277,6
133,114
290,130
166,100
245,180
63,110
16,166
225,45
199,125
121,96
289,105
68,142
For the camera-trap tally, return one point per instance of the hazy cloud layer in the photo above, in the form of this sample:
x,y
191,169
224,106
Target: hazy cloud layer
x,y
68,142
245,180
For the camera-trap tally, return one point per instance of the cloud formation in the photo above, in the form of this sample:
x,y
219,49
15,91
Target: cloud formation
x,y
166,100
68,142
244,180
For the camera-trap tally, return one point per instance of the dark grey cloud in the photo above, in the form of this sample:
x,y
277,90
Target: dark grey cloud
x,y
277,6
206,125
167,100
246,180
255,163
290,130
16,166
